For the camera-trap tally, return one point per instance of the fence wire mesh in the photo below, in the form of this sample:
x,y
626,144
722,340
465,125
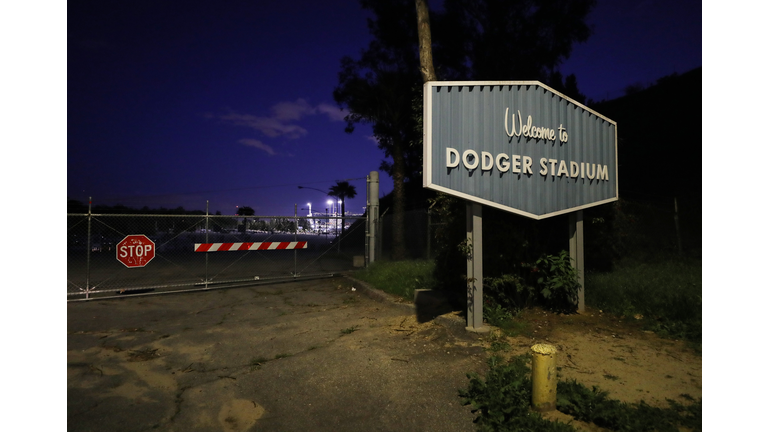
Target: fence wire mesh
x,y
629,226
95,261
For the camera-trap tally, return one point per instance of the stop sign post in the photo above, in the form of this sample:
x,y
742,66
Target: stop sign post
x,y
135,250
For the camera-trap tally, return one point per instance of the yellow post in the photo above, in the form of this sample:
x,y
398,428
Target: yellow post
x,y
544,377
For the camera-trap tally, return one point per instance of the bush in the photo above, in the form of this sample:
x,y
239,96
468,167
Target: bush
x,y
558,282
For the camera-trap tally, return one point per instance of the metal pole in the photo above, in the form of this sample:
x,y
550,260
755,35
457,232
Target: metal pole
x,y
677,230
373,215
206,240
429,234
367,219
576,245
475,268
295,233
88,253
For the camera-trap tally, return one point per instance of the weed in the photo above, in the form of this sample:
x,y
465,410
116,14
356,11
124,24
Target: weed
x,y
502,400
666,293
349,330
558,282
497,346
256,362
498,316
611,377
594,406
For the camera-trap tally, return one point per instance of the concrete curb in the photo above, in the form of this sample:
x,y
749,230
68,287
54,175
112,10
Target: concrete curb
x,y
453,322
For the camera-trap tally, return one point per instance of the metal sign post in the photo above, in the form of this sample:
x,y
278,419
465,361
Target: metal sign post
x,y
475,269
576,244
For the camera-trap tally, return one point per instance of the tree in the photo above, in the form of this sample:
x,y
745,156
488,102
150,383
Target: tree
x,y
425,42
509,40
342,190
471,40
378,88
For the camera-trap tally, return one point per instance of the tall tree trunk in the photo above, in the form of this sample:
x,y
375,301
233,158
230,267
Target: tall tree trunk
x,y
425,41
398,216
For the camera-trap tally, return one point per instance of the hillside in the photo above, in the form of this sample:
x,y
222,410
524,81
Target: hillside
x,y
659,132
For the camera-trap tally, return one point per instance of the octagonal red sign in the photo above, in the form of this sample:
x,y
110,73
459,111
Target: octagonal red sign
x,y
135,250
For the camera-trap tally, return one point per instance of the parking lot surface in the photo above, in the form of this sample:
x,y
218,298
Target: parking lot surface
x,y
300,356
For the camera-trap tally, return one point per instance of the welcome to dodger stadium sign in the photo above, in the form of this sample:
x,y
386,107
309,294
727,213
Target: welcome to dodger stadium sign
x,y
519,146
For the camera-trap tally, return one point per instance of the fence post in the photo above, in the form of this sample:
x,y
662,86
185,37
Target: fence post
x,y
677,230
206,240
373,216
88,253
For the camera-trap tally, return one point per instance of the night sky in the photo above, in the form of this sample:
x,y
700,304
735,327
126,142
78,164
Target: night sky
x,y
174,103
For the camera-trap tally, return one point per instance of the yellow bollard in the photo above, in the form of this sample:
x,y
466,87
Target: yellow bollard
x,y
544,377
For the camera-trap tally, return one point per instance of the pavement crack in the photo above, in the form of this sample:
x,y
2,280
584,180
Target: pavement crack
x,y
178,401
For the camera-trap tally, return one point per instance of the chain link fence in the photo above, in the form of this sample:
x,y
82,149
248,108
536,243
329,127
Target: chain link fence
x,y
630,226
98,264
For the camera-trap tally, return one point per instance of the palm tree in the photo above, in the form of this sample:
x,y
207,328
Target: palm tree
x,y
342,190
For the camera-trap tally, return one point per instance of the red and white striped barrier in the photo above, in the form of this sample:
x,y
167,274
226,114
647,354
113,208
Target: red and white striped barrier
x,y
246,246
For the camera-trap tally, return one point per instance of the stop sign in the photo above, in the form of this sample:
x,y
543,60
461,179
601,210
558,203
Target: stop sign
x,y
135,250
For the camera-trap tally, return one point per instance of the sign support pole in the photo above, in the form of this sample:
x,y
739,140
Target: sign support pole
x,y
576,243
373,217
475,269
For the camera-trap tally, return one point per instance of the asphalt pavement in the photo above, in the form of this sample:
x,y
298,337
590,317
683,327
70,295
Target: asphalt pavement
x,y
313,355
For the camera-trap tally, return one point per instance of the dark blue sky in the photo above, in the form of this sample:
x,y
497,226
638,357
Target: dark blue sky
x,y
174,103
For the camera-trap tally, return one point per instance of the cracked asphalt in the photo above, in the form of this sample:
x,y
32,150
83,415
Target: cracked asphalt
x,y
309,355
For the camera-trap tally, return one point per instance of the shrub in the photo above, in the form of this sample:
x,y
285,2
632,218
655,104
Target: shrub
x,y
558,282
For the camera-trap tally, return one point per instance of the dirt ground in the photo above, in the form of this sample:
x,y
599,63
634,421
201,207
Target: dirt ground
x,y
616,355
598,349
321,356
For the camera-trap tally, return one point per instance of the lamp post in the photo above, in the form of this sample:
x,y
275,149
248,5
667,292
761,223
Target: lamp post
x,y
310,205
333,210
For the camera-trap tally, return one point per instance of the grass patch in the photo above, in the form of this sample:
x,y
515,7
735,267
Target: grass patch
x,y
400,278
594,406
665,292
502,401
504,319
